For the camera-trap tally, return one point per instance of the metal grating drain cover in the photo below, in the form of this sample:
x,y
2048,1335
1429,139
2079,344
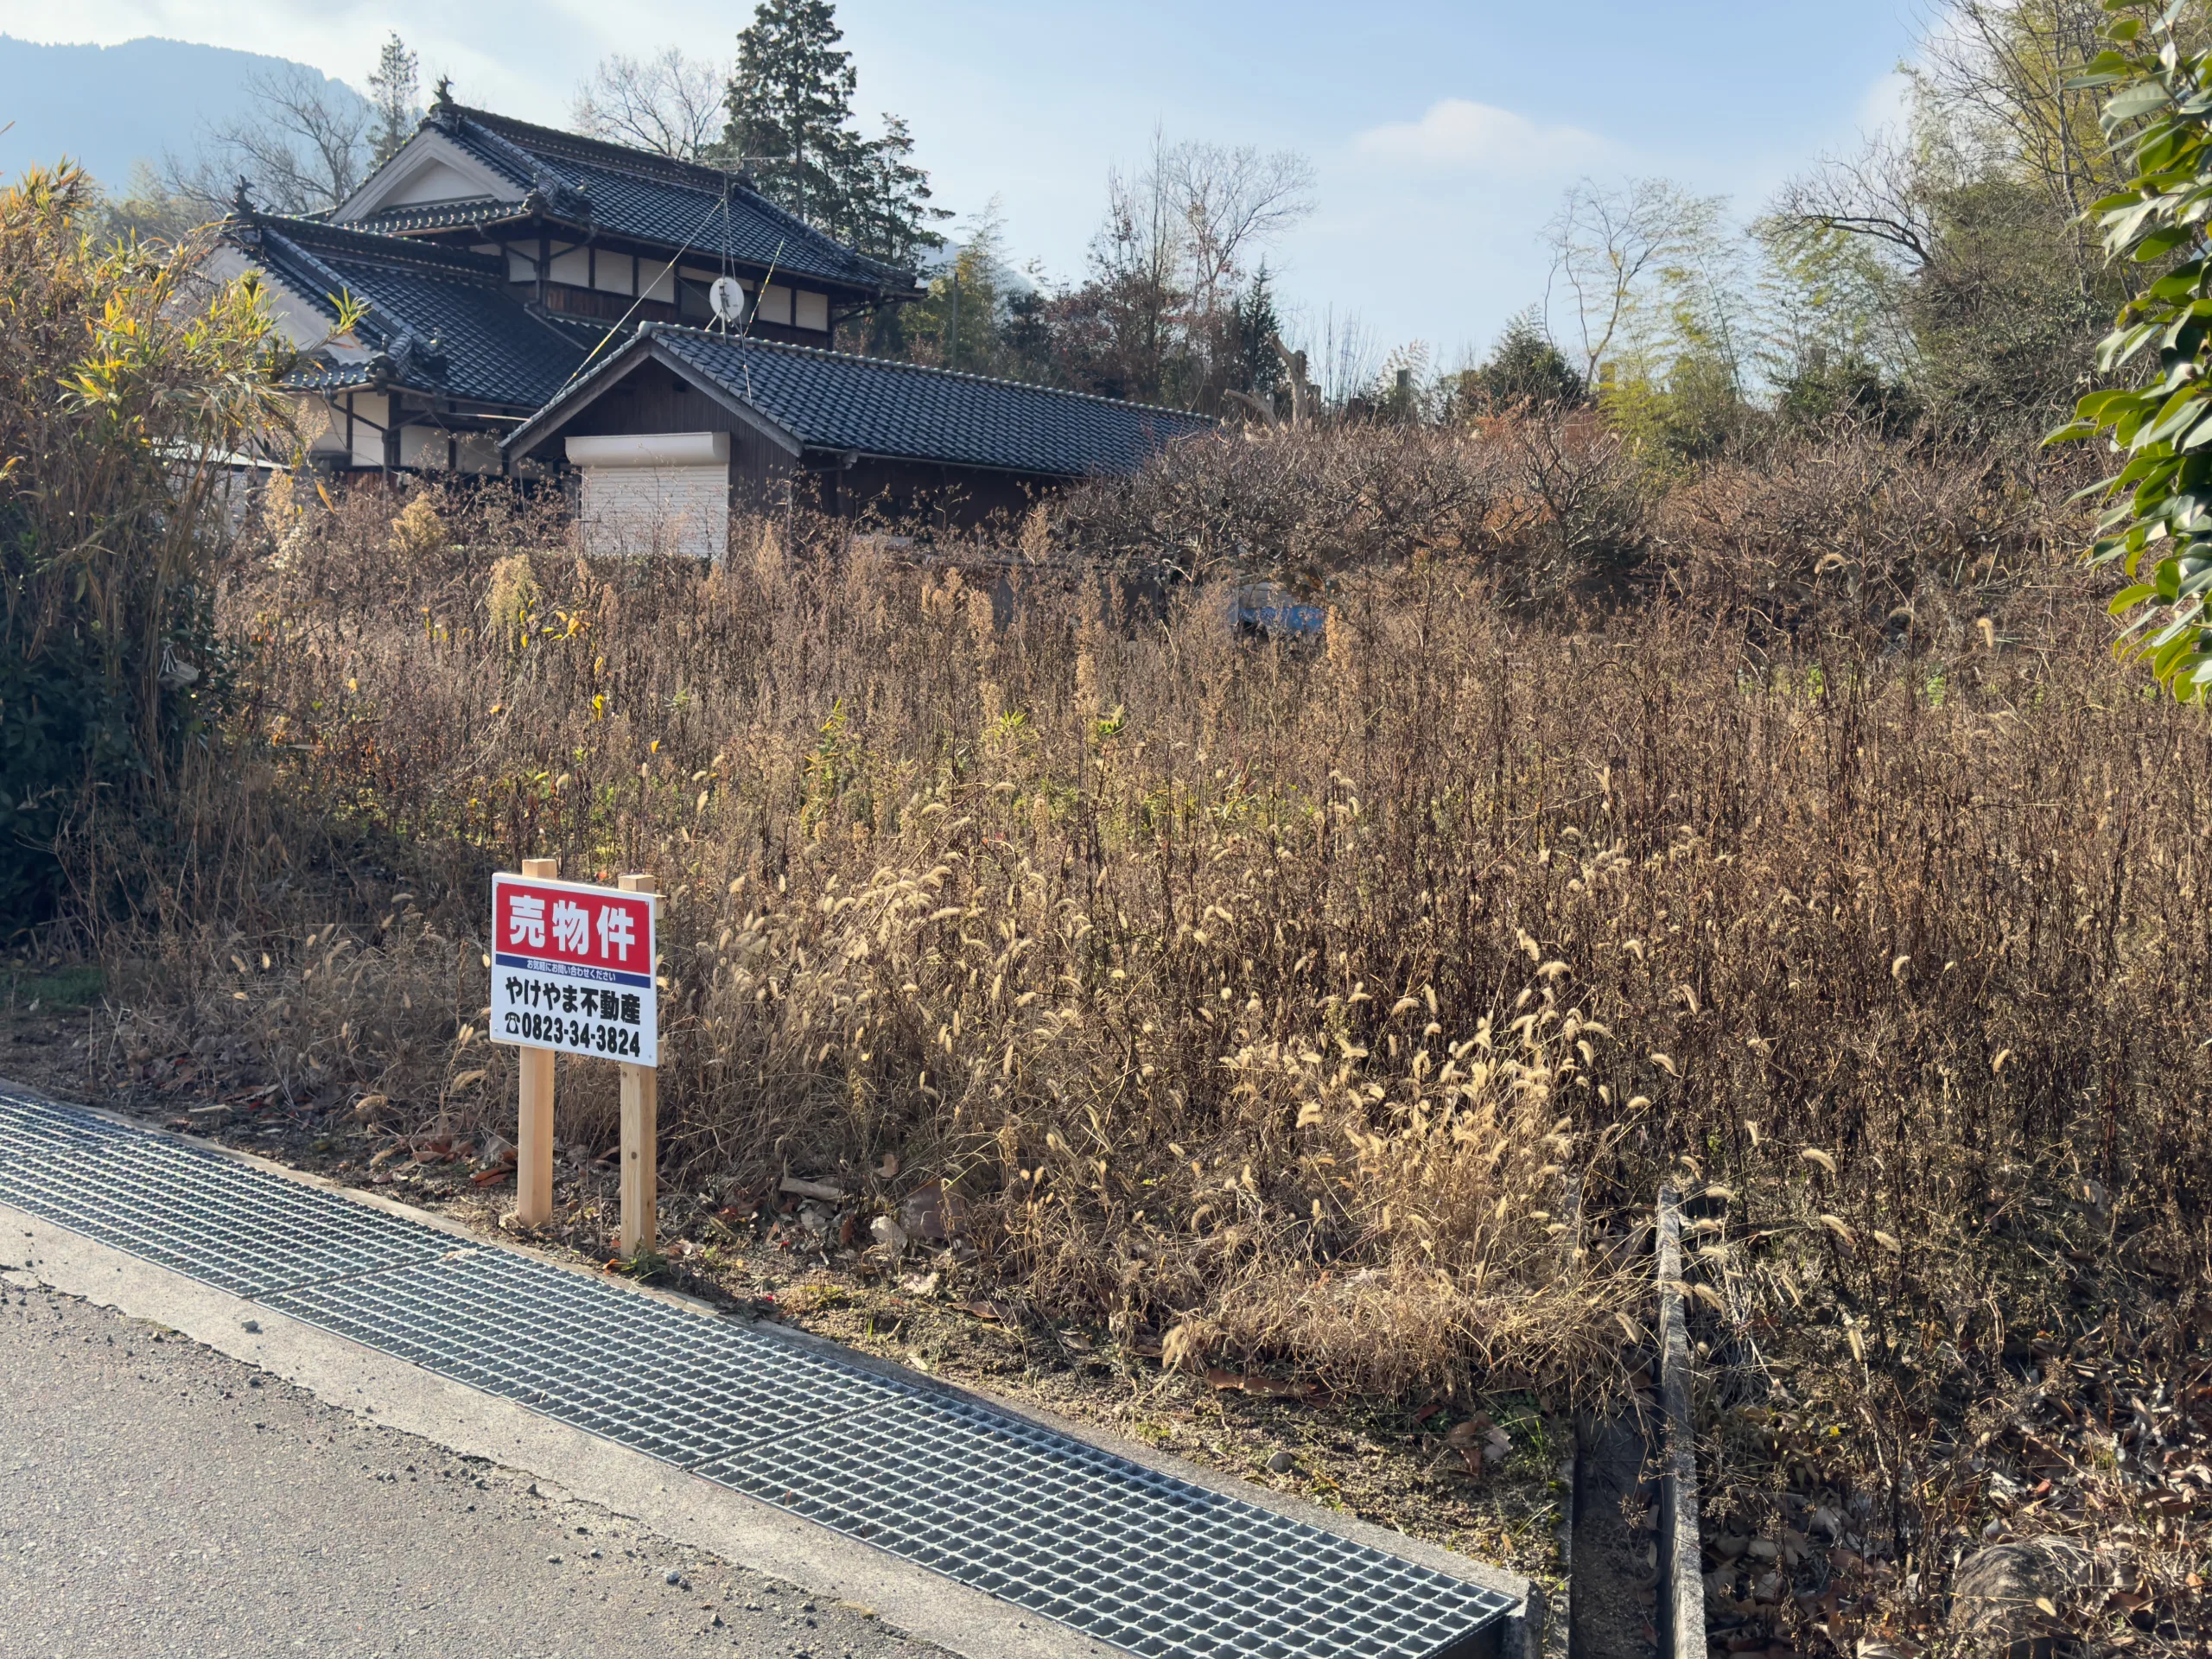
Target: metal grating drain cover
x,y
1136,1558
1160,1567
195,1210
682,1386
32,1128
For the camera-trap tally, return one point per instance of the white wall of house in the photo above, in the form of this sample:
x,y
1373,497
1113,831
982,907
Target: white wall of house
x,y
429,166
614,273
421,447
434,181
368,439
654,493
648,277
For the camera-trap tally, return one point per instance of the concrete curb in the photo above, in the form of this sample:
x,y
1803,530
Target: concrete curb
x,y
679,1505
1682,1584
684,1507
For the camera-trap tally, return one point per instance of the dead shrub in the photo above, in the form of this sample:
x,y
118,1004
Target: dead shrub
x,y
1345,1005
1545,498
1294,506
1911,543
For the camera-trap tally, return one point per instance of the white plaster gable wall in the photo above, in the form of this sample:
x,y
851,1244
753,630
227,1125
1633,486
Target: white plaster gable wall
x,y
430,166
434,181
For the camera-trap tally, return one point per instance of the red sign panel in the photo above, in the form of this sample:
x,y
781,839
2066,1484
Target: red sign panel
x,y
572,968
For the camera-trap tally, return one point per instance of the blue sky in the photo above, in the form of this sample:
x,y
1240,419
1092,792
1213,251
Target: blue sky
x,y
1442,134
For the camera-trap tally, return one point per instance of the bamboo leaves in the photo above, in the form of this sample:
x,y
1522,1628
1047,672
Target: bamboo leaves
x,y
128,388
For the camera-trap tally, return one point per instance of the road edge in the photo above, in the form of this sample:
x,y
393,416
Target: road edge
x,y
1681,1576
681,1506
686,1508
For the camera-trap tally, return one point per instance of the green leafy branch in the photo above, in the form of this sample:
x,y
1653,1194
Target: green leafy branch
x,y
2158,524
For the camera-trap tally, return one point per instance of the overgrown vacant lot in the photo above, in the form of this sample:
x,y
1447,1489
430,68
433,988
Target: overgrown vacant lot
x,y
1330,1011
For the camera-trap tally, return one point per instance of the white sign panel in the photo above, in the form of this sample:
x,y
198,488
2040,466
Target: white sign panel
x,y
572,969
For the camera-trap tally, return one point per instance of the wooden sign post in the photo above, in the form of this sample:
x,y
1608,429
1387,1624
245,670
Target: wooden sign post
x,y
573,972
534,1103
641,1136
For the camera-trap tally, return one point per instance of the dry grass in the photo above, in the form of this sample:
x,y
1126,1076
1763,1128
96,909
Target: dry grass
x,y
1340,1007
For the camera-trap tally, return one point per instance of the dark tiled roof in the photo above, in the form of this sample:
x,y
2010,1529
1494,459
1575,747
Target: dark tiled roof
x,y
631,193
442,321
439,215
832,400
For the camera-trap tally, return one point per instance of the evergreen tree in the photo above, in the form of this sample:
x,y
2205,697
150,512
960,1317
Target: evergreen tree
x,y
1250,364
392,88
791,126
790,109
1525,366
891,218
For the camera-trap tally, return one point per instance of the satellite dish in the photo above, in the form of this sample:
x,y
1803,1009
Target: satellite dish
x,y
727,299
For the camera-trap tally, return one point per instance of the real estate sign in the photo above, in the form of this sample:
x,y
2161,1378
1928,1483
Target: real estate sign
x,y
572,969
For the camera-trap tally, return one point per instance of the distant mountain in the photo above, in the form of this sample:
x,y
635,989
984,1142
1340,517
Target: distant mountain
x,y
107,106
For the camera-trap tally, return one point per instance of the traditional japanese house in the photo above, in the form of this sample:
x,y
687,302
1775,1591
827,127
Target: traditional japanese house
x,y
492,257
509,282
588,229
442,362
672,426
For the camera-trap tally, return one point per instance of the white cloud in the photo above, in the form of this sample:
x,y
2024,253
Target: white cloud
x,y
1887,105
1460,135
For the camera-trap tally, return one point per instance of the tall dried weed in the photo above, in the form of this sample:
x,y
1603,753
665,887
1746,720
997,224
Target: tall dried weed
x,y
1347,1003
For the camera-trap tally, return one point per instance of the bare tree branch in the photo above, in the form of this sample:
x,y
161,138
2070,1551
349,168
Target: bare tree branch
x,y
1877,193
304,150
668,104
1602,243
1231,200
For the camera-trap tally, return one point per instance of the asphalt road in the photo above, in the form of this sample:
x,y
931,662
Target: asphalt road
x,y
157,1497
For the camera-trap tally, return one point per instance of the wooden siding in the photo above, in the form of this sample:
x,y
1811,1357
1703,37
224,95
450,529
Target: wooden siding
x,y
605,307
650,398
948,497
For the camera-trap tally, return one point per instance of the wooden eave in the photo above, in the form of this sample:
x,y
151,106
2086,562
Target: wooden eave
x,y
613,374
529,227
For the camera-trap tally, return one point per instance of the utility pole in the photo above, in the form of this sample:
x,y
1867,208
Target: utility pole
x,y
952,354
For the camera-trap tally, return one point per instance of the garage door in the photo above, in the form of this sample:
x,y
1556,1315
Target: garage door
x,y
654,493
